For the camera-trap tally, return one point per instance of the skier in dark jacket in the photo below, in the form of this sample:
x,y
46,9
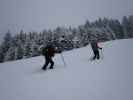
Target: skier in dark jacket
x,y
95,49
48,52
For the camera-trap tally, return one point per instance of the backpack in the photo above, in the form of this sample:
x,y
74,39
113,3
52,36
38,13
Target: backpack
x,y
44,51
48,51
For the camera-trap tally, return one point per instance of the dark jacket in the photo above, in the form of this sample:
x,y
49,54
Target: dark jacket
x,y
48,51
94,46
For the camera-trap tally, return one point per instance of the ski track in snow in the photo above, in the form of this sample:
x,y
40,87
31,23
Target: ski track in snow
x,y
82,79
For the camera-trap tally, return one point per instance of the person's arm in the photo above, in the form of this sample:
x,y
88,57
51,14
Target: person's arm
x,y
99,46
57,50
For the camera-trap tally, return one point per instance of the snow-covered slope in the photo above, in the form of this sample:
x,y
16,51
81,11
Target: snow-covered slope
x,y
82,79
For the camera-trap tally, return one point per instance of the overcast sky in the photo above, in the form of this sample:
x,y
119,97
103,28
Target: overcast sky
x,y
36,15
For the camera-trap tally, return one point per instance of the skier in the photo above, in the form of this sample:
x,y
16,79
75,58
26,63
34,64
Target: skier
x,y
95,48
48,52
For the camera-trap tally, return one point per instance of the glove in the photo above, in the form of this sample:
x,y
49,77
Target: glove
x,y
101,48
59,51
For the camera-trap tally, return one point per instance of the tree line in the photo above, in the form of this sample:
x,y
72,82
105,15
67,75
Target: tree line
x,y
25,45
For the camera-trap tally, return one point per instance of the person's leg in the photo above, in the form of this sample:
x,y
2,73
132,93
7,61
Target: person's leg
x,y
46,63
52,63
94,55
98,56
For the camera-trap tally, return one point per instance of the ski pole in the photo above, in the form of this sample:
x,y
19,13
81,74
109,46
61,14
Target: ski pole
x,y
63,59
102,56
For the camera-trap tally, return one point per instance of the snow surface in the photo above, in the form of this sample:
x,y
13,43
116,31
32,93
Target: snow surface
x,y
82,79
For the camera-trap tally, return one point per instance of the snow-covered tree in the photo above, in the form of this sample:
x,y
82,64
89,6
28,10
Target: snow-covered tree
x,y
10,54
19,52
130,25
1,54
7,41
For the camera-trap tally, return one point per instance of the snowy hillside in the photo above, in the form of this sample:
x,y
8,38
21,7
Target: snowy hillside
x,y
82,79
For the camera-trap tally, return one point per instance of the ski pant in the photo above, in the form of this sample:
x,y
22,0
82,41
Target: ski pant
x,y
47,61
96,54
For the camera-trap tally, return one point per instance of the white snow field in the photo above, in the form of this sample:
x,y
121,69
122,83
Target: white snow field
x,y
110,78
